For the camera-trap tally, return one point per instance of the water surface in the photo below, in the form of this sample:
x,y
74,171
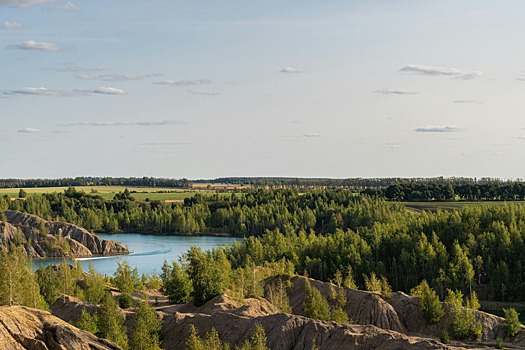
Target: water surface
x,y
149,251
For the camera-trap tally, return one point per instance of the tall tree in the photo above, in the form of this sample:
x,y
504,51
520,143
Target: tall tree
x,y
146,329
110,322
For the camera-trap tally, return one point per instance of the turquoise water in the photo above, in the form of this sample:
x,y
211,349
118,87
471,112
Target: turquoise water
x,y
149,252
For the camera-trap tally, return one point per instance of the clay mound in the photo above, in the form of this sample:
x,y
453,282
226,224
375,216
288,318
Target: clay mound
x,y
366,308
399,313
251,307
290,332
69,308
24,229
24,328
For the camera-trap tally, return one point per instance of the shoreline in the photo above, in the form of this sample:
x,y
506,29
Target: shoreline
x,y
180,234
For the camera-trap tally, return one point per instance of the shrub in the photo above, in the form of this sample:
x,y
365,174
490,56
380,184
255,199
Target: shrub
x,y
444,337
125,301
512,323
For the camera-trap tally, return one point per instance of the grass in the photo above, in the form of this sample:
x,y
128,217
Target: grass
x,y
107,192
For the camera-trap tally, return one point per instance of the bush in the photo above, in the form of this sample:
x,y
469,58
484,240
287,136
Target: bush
x,y
429,303
444,337
512,323
125,301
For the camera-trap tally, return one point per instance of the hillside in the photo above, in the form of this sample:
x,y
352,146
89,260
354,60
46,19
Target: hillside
x,y
41,238
22,328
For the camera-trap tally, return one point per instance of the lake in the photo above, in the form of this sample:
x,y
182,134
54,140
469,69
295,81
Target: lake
x,y
149,251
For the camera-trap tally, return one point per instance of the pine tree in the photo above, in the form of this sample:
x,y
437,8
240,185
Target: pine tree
x,y
87,322
257,340
315,305
512,324
194,342
110,322
178,285
126,279
146,329
18,282
429,303
95,286
209,273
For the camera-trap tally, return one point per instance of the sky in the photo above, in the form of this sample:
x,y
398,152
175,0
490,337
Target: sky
x,y
295,88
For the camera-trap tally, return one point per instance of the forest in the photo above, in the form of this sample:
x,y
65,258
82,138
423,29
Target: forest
x,y
97,181
325,231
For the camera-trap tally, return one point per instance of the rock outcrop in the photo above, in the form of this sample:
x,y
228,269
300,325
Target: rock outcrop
x,y
22,328
42,238
398,313
284,331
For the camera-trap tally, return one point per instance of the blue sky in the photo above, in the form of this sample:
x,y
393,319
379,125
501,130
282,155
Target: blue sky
x,y
204,89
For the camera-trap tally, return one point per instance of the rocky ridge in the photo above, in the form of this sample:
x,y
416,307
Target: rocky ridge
x,y
22,328
41,238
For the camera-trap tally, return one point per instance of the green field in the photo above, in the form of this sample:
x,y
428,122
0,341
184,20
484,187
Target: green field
x,y
107,192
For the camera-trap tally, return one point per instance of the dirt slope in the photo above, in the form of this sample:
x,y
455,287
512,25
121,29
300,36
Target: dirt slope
x,y
24,328
25,229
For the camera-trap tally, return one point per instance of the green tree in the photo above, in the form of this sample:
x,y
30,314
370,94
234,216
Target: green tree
x,y
429,303
127,280
349,281
49,282
461,319
18,283
146,329
209,273
110,322
277,295
372,284
95,285
194,342
22,193
512,324
314,304
87,322
178,285
257,340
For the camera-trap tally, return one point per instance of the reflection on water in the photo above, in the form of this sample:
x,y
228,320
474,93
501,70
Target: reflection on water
x,y
149,252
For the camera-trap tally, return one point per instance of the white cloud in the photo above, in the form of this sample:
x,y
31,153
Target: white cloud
x,y
439,71
68,6
447,128
74,68
312,134
108,91
42,91
466,101
395,92
116,77
23,3
291,70
139,123
29,130
185,82
193,92
35,45
165,143
8,25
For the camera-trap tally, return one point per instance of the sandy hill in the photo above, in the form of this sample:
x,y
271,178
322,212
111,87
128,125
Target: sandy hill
x,y
58,239
22,328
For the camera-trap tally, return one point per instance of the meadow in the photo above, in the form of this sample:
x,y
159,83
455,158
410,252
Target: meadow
x,y
139,193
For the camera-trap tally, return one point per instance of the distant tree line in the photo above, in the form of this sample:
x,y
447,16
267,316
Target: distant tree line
x,y
97,181
423,192
351,183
